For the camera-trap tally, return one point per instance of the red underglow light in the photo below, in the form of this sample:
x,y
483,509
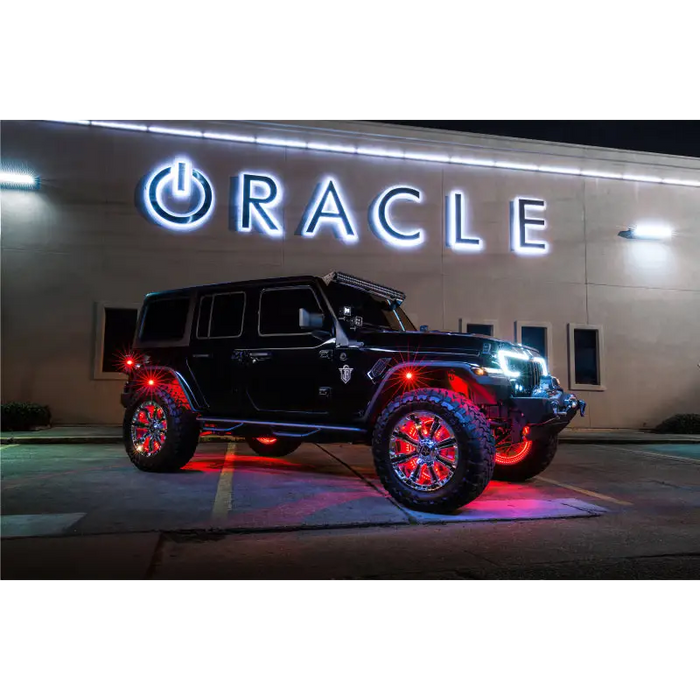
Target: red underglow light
x,y
515,453
151,382
267,440
408,376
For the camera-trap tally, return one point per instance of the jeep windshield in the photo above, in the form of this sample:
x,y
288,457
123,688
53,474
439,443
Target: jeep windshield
x,y
376,312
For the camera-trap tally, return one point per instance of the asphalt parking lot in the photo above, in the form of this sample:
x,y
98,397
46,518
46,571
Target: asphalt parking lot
x,y
83,511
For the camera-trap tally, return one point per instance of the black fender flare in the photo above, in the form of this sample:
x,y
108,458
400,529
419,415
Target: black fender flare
x,y
159,372
486,387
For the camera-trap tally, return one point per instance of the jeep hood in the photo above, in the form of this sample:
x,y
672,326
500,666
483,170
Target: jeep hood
x,y
432,341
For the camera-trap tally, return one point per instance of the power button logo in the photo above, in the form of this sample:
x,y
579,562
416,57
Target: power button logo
x,y
177,196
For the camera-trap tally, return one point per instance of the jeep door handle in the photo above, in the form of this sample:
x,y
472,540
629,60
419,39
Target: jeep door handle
x,y
259,355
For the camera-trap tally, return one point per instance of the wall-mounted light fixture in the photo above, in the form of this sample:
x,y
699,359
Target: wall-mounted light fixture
x,y
24,181
649,232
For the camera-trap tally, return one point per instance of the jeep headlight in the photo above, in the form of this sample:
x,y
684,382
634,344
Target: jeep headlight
x,y
503,360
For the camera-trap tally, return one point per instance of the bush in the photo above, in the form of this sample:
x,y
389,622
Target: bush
x,y
681,423
18,415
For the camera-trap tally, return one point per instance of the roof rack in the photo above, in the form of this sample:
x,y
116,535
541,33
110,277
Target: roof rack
x,y
380,290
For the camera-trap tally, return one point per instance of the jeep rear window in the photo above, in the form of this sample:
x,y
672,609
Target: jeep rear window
x,y
165,320
227,315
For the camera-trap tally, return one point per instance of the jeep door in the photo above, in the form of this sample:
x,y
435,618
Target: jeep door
x,y
213,361
287,371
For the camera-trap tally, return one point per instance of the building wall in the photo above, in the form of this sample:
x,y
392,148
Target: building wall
x,y
80,240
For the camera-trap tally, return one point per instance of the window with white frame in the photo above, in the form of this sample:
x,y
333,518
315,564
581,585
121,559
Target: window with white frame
x,y
586,367
115,329
536,335
478,327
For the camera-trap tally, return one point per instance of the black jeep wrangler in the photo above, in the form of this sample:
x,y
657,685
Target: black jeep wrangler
x,y
336,359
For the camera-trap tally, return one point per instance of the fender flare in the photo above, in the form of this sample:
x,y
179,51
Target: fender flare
x,y
160,370
462,369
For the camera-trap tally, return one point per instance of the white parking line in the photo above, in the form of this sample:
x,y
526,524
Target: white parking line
x,y
585,492
223,500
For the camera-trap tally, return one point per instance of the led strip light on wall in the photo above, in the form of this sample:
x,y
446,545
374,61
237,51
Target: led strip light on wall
x,y
380,152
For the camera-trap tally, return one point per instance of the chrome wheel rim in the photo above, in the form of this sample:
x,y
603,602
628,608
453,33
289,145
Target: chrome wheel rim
x,y
149,428
423,451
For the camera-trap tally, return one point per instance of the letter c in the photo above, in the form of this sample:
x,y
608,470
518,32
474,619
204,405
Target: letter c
x,y
380,222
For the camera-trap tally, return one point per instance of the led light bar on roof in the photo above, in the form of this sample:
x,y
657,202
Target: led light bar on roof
x,y
387,153
367,286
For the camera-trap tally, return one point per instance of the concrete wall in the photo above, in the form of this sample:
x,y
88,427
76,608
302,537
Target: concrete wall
x,y
80,240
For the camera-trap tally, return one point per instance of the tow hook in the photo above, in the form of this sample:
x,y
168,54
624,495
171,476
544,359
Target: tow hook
x,y
575,403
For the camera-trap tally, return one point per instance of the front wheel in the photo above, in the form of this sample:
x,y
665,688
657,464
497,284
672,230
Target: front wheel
x,y
433,450
272,446
525,459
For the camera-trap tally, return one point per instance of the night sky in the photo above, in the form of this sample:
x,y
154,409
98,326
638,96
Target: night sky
x,y
675,137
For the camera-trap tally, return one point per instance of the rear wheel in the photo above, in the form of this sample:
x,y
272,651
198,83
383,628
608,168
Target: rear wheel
x,y
272,446
160,432
523,460
433,450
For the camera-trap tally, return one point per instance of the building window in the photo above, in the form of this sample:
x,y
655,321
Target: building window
x,y
221,315
537,336
279,310
478,327
115,330
586,357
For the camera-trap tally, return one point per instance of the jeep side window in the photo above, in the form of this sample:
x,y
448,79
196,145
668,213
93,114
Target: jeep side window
x,y
221,315
165,320
279,309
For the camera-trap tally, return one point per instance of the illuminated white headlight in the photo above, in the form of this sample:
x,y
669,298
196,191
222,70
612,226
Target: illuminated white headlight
x,y
504,356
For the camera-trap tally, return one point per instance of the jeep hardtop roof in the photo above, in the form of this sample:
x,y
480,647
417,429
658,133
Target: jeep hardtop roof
x,y
393,295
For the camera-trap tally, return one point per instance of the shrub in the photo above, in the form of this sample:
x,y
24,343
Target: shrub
x,y
18,415
683,423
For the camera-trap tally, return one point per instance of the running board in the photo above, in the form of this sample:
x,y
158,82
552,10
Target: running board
x,y
279,429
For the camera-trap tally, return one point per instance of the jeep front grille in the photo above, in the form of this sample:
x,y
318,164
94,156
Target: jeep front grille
x,y
530,376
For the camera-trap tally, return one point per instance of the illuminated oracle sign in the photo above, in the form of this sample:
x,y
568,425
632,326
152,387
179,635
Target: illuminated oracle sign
x,y
180,197
177,196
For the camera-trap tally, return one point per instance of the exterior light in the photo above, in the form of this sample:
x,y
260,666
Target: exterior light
x,y
384,153
409,376
18,180
649,232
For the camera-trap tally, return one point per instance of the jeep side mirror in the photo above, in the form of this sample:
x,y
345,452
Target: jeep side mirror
x,y
309,321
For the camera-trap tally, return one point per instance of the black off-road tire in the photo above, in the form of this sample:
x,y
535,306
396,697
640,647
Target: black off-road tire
x,y
280,448
477,449
181,438
537,460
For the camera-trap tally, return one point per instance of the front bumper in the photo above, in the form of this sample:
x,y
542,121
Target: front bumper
x,y
550,413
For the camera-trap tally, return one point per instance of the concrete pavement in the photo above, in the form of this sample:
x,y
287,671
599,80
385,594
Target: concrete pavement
x,y
112,434
597,512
